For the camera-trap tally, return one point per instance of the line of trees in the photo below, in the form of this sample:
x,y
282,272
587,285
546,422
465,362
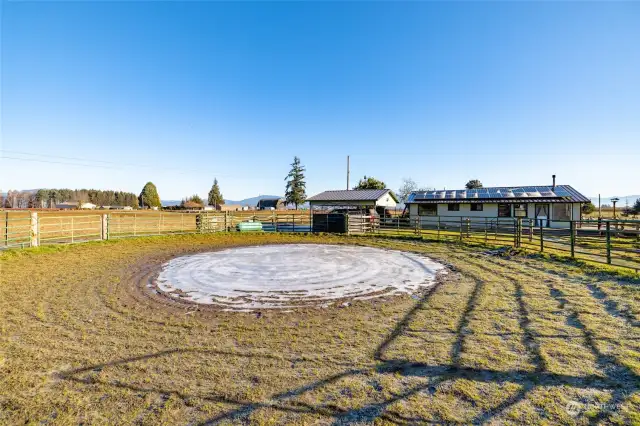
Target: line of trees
x,y
214,198
48,198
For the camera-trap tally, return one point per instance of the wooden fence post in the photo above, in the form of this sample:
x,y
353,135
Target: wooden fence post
x,y
104,235
486,230
541,237
438,228
34,229
608,242
572,229
6,229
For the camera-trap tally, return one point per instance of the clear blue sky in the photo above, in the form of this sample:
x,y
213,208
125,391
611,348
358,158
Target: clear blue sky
x,y
505,92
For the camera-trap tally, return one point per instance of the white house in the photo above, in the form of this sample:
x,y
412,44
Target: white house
x,y
87,206
355,198
549,206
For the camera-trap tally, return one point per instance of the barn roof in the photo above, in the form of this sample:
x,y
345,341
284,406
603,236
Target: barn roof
x,y
511,194
352,195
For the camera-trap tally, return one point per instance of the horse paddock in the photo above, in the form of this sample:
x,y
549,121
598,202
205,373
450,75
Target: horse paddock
x,y
295,329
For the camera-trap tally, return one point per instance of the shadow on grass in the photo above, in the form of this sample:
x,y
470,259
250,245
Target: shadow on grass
x,y
614,377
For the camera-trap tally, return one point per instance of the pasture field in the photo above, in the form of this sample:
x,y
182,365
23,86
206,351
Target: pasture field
x,y
498,339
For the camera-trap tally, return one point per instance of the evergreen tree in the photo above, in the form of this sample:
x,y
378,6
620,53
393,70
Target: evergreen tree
x,y
636,207
370,183
149,196
295,192
215,196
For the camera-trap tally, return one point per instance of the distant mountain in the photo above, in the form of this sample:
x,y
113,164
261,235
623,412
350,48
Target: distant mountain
x,y
622,200
253,201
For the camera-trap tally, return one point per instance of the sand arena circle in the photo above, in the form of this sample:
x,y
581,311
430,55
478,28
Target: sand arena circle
x,y
293,275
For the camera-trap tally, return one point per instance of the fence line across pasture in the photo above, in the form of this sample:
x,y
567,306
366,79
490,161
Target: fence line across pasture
x,y
613,242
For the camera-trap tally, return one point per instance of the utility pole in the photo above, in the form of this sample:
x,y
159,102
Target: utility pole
x,y
348,172
599,207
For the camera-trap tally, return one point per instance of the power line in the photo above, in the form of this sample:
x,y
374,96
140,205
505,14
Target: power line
x,y
87,163
4,157
67,158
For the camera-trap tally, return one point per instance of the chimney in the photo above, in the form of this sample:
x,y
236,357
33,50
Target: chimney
x,y
554,181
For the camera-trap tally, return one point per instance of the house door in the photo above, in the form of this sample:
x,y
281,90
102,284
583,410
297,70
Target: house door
x,y
542,214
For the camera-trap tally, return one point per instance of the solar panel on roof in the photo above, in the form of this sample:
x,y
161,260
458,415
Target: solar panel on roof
x,y
561,192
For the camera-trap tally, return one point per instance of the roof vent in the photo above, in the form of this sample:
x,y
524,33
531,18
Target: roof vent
x,y
554,181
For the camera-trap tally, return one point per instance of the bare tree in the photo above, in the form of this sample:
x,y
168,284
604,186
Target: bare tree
x,y
408,186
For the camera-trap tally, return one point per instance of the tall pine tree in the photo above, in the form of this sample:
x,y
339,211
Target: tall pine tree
x,y
295,191
215,196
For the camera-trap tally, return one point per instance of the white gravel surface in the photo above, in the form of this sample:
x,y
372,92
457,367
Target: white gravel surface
x,y
294,275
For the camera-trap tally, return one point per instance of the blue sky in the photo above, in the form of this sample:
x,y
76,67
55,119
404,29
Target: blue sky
x,y
180,93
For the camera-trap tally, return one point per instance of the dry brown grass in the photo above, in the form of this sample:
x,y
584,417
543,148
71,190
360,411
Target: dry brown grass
x,y
501,340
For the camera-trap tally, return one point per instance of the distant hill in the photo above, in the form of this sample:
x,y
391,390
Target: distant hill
x,y
253,201
621,203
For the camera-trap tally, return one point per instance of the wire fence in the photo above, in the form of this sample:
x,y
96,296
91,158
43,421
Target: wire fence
x,y
613,242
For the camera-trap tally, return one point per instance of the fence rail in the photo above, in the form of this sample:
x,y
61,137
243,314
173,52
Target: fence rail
x,y
613,242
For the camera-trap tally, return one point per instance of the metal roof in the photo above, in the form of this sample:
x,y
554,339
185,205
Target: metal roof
x,y
352,195
548,193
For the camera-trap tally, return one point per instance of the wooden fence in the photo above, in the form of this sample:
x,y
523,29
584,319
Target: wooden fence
x,y
613,242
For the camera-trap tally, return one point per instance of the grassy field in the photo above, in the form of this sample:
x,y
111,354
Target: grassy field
x,y
499,340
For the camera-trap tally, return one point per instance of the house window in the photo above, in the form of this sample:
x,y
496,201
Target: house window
x,y
453,207
427,209
520,210
504,210
477,207
561,211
